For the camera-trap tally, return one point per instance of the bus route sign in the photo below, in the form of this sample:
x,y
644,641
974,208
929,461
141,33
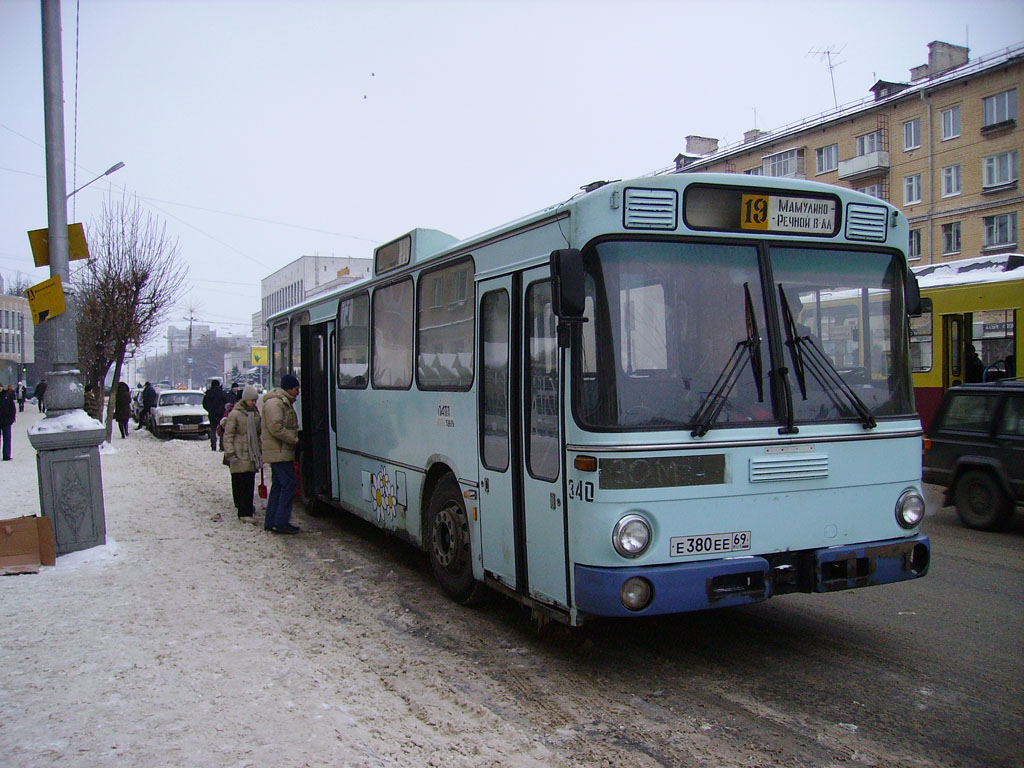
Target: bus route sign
x,y
797,215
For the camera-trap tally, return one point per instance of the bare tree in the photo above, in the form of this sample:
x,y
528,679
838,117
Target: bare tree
x,y
18,285
133,277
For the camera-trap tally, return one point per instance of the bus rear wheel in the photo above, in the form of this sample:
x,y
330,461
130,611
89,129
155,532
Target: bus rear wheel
x,y
448,546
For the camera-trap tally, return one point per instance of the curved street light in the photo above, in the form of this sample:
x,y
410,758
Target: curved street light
x,y
116,167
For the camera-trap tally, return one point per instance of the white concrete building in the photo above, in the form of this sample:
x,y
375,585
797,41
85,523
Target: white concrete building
x,y
306,276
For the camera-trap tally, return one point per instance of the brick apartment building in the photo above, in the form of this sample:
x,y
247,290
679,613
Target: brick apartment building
x,y
943,147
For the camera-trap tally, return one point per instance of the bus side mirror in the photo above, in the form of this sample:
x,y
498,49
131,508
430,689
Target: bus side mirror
x,y
567,289
912,295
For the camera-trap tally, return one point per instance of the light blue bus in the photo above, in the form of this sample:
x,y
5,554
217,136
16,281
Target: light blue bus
x,y
668,394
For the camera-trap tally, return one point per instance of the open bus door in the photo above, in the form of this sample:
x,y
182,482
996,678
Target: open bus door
x,y
317,412
522,512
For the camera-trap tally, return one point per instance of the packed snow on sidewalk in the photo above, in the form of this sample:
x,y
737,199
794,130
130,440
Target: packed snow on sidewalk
x,y
185,642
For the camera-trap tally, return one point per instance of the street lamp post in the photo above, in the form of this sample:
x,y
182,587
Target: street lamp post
x,y
116,167
66,441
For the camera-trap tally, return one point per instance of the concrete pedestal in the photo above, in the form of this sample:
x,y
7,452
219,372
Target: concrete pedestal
x,y
70,485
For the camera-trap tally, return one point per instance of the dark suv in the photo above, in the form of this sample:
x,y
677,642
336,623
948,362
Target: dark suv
x,y
975,448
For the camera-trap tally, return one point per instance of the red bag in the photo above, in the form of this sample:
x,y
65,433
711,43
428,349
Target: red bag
x,y
262,490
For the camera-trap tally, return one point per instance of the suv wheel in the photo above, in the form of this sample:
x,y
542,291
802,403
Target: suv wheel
x,y
981,503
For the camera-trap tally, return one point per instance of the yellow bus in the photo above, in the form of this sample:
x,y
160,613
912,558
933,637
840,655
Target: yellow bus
x,y
967,330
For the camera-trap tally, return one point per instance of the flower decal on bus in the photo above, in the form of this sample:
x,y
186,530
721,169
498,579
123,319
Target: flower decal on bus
x,y
383,494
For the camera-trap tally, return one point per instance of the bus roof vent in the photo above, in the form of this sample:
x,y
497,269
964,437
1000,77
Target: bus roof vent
x,y
650,208
866,222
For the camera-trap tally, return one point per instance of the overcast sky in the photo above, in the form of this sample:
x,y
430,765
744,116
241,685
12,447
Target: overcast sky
x,y
262,131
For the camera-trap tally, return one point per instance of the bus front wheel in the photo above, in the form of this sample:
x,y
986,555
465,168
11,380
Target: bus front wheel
x,y
448,545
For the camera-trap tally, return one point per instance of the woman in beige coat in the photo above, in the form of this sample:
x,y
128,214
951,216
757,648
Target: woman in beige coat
x,y
243,450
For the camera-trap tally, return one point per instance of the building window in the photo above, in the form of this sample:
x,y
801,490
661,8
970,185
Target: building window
x,y
1000,230
951,238
1000,108
914,244
875,190
788,164
827,158
951,180
868,143
912,134
753,172
999,170
950,123
912,189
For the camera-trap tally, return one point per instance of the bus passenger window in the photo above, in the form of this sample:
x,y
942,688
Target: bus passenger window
x,y
282,357
296,363
392,336
353,341
445,328
921,338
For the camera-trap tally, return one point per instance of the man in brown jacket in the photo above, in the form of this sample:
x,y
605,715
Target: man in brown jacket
x,y
280,437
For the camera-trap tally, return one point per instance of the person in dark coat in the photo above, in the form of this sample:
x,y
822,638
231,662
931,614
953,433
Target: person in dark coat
x,y
235,393
22,394
214,401
974,368
122,407
40,391
8,413
148,401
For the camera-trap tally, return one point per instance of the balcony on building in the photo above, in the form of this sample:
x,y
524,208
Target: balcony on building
x,y
864,166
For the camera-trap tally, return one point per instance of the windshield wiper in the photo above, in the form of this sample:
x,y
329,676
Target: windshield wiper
x,y
712,404
807,356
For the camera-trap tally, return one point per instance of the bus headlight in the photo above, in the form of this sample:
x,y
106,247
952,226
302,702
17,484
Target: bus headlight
x,y
631,535
910,509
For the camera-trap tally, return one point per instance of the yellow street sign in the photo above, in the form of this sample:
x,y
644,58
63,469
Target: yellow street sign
x,y
259,356
46,300
77,247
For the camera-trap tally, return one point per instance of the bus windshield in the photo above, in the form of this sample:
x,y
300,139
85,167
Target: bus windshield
x,y
677,336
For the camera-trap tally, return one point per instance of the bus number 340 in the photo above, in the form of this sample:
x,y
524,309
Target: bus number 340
x,y
584,491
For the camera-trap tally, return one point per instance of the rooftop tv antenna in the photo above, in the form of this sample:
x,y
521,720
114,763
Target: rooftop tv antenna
x,y
828,53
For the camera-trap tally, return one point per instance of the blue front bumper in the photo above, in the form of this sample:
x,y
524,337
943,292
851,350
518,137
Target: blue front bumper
x,y
695,586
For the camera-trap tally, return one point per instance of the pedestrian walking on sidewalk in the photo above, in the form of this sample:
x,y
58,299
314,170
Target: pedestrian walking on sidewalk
x,y
22,394
280,440
123,408
149,398
8,413
243,450
40,391
214,401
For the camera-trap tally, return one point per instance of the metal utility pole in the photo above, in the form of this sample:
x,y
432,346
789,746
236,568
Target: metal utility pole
x,y
67,443
190,318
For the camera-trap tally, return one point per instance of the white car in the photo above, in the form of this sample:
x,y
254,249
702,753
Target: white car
x,y
179,412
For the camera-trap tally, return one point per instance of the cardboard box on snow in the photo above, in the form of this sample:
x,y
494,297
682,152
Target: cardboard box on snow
x,y
26,543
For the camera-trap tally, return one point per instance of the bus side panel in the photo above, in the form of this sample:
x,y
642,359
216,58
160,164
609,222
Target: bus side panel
x,y
387,442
